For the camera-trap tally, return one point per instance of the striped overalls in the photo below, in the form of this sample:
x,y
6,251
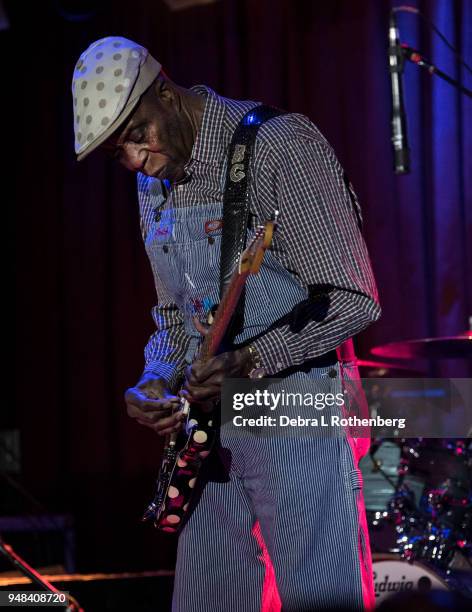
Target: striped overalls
x,y
301,496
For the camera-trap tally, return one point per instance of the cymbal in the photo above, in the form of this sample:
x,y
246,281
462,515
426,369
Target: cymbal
x,y
447,347
380,369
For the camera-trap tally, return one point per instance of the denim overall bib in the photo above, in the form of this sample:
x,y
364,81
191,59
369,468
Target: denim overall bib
x,y
303,493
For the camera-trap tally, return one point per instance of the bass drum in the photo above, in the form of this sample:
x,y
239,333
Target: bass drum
x,y
393,575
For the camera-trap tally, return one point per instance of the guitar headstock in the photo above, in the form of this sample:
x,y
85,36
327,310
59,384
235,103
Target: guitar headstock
x,y
251,258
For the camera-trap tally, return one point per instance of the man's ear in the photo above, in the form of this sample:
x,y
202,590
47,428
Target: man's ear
x,y
164,91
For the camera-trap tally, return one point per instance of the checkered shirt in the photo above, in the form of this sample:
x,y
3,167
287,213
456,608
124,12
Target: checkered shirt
x,y
318,239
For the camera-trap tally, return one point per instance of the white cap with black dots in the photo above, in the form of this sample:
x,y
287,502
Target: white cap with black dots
x,y
109,79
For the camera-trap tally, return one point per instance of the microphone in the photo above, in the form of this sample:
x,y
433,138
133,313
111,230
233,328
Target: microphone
x,y
401,151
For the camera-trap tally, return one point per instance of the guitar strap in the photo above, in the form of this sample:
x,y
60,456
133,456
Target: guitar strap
x,y
236,211
236,200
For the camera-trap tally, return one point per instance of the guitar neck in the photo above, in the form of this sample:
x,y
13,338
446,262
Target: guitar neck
x,y
249,263
223,315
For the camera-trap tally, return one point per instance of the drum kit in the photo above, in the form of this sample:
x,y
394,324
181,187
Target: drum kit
x,y
418,492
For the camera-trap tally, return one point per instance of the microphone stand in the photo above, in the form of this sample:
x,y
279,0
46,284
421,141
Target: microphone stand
x,y
416,58
34,576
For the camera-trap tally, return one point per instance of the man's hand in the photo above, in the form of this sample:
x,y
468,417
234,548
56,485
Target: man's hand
x,y
151,404
204,379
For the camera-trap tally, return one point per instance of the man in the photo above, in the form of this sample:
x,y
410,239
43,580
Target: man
x,y
291,506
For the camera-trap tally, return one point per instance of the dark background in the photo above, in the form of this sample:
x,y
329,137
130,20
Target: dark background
x,y
84,288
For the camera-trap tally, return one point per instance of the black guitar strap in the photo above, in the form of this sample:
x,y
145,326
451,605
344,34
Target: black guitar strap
x,y
236,200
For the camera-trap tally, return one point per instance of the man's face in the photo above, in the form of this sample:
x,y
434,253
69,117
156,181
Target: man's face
x,y
156,140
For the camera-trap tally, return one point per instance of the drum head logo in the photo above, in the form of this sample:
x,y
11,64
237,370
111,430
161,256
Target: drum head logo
x,y
392,577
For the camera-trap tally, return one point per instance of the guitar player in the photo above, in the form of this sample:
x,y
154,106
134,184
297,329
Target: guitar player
x,y
285,528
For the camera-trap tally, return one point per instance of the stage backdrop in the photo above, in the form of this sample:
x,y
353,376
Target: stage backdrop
x,y
85,291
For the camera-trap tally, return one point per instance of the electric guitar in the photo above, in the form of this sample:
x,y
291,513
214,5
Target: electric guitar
x,y
185,451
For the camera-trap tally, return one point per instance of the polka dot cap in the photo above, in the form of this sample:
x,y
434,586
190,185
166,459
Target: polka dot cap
x,y
108,80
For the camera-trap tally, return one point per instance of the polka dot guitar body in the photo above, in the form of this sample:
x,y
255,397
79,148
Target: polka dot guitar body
x,y
179,472
185,452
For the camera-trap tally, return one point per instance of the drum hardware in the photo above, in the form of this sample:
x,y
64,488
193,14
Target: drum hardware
x,y
433,527
428,514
